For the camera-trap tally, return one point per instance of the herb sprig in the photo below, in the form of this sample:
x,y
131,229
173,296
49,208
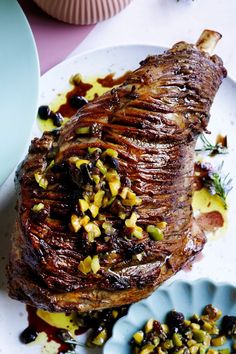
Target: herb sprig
x,y
212,150
218,184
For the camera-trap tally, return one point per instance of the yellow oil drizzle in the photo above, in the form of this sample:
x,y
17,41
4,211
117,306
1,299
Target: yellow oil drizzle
x,y
46,347
97,89
59,320
204,202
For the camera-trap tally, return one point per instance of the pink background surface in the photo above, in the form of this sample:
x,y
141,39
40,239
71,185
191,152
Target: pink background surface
x,y
55,40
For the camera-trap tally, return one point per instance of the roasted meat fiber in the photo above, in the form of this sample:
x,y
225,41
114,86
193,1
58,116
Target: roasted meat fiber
x,y
104,203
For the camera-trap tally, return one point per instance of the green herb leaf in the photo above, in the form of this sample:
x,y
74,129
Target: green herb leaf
x,y
212,150
218,184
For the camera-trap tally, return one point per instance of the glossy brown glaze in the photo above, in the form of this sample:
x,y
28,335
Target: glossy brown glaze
x,y
152,121
79,89
110,81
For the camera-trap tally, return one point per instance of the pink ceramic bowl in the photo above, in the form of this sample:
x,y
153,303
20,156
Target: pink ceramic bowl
x,y
82,12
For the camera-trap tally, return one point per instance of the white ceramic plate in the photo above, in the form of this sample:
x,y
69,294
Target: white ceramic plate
x,y
219,260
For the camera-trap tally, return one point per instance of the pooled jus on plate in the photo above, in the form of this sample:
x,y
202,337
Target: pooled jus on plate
x,y
104,203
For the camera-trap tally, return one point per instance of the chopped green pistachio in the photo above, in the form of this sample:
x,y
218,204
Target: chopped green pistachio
x,y
187,322
199,335
81,162
93,229
101,217
37,207
95,264
195,317
115,313
131,195
75,222
132,221
162,225
84,205
41,180
131,199
111,152
112,175
114,187
124,192
218,341
91,150
149,326
168,344
109,230
101,338
82,130
101,167
85,265
73,159
137,232
128,202
122,215
85,220
98,198
94,210
210,327
202,349
193,349
138,201
155,233
147,349
195,326
191,342
177,339
156,341
161,351
96,179
224,351
165,328
138,337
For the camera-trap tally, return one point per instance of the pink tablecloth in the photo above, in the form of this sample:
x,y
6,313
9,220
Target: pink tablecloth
x,y
55,40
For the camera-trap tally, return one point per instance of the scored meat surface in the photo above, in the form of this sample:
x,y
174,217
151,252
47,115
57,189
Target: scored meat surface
x,y
89,192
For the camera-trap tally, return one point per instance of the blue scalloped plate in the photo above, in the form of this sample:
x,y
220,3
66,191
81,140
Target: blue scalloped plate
x,y
183,296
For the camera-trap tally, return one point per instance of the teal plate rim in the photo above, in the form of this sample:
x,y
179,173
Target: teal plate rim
x,y
185,296
19,86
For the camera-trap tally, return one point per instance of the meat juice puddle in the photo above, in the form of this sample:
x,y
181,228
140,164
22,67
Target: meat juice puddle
x,y
214,221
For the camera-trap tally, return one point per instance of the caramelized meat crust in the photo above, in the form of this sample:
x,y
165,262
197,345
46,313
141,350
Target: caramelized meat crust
x,y
151,124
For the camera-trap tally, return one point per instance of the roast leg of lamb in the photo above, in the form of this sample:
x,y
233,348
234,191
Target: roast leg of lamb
x,y
104,204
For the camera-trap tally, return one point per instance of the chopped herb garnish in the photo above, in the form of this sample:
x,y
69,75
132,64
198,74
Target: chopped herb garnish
x,y
212,150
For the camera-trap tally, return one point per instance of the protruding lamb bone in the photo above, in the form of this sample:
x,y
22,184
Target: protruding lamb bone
x,y
208,41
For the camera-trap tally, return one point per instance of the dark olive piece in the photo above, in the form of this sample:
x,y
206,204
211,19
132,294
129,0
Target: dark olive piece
x,y
77,101
228,325
28,335
175,319
57,119
113,162
44,112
